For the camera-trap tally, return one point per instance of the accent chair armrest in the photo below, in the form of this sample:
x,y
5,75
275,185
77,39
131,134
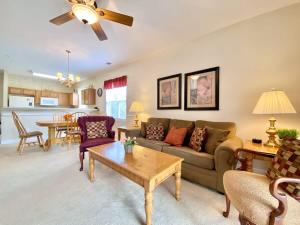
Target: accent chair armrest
x,y
277,215
134,132
224,158
111,134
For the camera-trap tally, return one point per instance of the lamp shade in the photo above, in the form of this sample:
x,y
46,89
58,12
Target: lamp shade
x,y
136,107
273,102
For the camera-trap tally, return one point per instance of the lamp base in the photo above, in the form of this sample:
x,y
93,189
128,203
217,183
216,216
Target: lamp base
x,y
136,123
271,131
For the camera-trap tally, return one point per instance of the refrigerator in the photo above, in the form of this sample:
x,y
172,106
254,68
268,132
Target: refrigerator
x,y
15,101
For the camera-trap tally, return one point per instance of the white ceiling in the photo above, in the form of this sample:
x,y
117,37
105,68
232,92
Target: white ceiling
x,y
29,42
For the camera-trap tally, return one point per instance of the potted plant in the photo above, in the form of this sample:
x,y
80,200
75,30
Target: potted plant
x,y
287,133
129,143
68,117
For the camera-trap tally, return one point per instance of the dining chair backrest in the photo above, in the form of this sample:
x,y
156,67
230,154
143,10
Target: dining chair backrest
x,y
72,125
21,129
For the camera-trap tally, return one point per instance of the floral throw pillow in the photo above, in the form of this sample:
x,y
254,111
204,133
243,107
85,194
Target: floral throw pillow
x,y
155,132
197,139
96,129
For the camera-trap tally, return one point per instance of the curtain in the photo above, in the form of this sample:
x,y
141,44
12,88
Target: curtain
x,y
116,82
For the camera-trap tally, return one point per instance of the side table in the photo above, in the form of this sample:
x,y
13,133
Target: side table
x,y
253,151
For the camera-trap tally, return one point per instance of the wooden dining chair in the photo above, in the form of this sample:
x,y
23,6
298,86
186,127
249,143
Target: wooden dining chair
x,y
59,130
24,135
73,130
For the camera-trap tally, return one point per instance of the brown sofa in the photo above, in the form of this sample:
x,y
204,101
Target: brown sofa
x,y
199,167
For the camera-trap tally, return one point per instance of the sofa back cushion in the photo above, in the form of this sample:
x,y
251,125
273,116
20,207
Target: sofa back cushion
x,y
214,138
190,125
286,163
164,121
176,136
230,126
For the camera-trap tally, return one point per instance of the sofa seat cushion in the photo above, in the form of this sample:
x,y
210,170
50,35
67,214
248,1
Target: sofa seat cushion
x,y
156,145
94,142
250,195
200,159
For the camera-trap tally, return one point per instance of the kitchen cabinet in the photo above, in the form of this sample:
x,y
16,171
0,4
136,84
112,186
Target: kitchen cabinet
x,y
63,99
15,91
28,92
37,97
74,99
88,96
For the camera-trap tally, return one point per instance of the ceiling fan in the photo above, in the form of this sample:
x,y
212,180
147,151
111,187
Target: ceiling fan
x,y
88,12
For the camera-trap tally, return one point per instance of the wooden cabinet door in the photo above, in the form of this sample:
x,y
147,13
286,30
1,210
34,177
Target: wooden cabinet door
x,y
91,96
88,96
53,94
74,99
29,92
15,91
45,93
63,99
37,97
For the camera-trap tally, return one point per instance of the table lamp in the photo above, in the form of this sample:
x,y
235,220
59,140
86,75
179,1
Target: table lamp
x,y
271,103
136,107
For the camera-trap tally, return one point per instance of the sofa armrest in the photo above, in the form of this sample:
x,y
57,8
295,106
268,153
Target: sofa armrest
x,y
225,158
134,132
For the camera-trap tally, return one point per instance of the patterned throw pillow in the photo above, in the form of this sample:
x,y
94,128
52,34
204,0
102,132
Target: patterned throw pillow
x,y
96,129
197,139
155,132
176,136
286,163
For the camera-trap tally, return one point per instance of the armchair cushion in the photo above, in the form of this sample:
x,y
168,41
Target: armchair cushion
x,y
286,163
249,193
94,142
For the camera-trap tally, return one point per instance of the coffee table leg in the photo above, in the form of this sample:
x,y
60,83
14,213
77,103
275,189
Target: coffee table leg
x,y
178,181
148,206
91,169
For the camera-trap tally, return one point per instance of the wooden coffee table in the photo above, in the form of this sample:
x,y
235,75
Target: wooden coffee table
x,y
144,166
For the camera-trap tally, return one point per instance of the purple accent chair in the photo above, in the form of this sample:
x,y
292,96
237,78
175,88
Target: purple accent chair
x,y
87,143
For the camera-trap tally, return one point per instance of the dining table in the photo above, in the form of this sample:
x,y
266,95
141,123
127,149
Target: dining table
x,y
52,125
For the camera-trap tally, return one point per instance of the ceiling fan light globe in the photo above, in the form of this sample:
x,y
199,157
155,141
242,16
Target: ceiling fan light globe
x,y
85,13
77,78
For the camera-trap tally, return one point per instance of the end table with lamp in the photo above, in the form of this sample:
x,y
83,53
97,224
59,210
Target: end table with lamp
x,y
272,103
136,107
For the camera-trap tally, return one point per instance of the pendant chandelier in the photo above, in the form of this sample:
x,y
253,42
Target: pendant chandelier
x,y
69,80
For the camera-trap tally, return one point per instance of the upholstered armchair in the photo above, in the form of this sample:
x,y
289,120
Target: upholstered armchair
x,y
87,143
260,200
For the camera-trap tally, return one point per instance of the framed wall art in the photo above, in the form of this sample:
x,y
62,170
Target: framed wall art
x,y
169,92
201,90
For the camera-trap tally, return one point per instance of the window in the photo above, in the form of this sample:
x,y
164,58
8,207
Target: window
x,y
116,102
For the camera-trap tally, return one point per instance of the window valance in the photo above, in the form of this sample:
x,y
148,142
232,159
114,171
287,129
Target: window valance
x,y
116,82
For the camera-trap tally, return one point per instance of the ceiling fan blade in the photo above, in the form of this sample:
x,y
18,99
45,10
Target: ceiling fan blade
x,y
62,18
99,31
116,17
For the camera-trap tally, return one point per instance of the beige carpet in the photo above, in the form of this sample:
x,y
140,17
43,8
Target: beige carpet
x,y
43,188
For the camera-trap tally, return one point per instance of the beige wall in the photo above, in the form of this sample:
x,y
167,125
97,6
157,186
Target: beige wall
x,y
254,56
36,83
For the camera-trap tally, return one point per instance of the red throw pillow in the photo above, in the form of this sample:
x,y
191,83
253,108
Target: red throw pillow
x,y
176,136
